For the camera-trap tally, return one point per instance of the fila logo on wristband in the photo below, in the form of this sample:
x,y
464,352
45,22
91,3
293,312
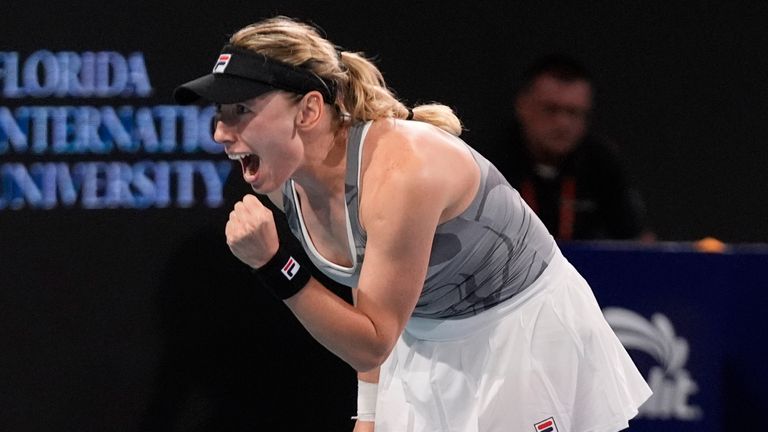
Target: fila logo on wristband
x,y
547,425
290,268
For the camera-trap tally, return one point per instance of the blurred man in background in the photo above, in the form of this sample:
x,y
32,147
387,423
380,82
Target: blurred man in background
x,y
571,178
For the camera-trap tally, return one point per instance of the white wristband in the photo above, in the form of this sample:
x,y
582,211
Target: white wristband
x,y
366,401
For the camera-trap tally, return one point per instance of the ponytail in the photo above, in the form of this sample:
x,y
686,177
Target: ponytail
x,y
361,93
365,96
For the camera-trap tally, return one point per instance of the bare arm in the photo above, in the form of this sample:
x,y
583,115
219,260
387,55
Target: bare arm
x,y
404,195
401,217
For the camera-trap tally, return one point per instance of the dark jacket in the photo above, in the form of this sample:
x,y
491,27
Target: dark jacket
x,y
589,197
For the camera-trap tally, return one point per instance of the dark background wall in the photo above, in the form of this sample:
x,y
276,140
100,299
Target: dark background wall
x,y
122,319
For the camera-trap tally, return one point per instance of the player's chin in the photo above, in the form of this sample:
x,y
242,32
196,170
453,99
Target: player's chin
x,y
259,189
263,188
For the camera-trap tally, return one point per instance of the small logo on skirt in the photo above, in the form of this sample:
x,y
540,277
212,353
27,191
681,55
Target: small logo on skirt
x,y
547,425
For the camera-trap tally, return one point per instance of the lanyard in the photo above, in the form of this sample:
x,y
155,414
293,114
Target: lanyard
x,y
566,207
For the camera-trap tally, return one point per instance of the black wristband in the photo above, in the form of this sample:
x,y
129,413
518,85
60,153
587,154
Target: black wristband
x,y
283,275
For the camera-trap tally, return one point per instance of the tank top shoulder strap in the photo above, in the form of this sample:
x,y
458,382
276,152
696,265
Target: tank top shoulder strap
x,y
355,140
475,208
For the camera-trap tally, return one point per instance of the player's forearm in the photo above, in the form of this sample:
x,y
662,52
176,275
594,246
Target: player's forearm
x,y
371,376
340,327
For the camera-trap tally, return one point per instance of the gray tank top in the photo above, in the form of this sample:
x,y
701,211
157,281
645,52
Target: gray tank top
x,y
492,251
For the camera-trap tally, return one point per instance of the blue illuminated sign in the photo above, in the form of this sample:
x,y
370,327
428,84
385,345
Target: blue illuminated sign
x,y
170,146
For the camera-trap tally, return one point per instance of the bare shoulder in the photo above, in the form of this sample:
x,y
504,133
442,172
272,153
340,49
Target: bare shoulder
x,y
430,148
417,157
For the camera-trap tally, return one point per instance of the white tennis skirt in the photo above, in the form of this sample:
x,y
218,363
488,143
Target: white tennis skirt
x,y
544,361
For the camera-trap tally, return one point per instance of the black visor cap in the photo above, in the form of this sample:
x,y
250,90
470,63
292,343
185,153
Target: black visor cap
x,y
219,88
239,75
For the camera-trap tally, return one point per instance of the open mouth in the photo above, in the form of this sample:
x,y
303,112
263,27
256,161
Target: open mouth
x,y
249,161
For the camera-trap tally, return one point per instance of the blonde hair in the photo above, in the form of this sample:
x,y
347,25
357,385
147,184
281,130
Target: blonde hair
x,y
361,91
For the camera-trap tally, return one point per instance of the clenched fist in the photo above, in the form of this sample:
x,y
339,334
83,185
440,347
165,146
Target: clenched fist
x,y
251,232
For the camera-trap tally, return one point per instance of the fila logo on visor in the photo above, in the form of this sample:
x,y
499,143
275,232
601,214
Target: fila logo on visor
x,y
547,425
222,63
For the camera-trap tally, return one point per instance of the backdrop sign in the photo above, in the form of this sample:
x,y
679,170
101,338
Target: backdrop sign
x,y
70,152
